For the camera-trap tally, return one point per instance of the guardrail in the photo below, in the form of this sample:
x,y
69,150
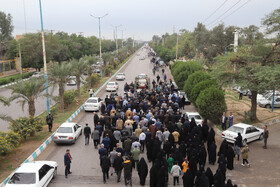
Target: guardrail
x,y
43,146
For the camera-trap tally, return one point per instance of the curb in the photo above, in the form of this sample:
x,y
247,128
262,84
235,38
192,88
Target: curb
x,y
10,84
43,146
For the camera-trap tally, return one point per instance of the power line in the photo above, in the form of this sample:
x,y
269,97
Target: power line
x,y
215,11
235,10
225,12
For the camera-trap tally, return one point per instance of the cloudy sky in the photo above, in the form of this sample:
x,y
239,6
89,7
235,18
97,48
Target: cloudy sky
x,y
141,18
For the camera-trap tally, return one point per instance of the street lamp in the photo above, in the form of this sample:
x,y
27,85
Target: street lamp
x,y
44,57
116,27
100,52
227,47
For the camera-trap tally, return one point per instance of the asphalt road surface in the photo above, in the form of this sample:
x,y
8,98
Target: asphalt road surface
x,y
15,109
264,170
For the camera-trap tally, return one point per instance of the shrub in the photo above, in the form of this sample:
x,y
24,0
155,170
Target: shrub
x,y
26,126
211,104
95,79
69,97
184,70
8,141
108,69
200,87
194,79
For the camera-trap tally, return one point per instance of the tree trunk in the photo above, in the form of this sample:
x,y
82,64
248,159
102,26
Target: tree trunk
x,y
61,97
253,116
31,107
89,81
78,86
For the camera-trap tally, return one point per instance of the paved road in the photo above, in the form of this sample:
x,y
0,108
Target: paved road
x,y
264,170
15,109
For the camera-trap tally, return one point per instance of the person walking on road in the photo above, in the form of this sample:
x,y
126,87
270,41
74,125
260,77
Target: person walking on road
x,y
175,172
87,132
118,166
127,166
49,120
265,136
162,70
67,162
238,145
245,155
105,165
142,169
230,120
95,137
158,78
113,155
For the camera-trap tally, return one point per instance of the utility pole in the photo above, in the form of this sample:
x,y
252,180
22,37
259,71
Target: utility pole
x,y
122,38
116,34
100,52
162,40
177,47
133,41
44,57
19,52
236,34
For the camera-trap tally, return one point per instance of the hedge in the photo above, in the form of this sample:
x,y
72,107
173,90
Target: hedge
x,y
194,79
13,78
200,87
211,104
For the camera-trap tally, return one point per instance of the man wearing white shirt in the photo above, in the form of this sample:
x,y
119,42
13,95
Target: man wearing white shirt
x,y
142,139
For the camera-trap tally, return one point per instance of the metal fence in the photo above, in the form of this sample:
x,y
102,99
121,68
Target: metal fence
x,y
7,65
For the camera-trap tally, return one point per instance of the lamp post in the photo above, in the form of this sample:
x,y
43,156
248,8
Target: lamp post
x,y
116,34
44,57
100,52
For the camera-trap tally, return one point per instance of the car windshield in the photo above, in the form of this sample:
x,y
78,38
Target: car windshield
x,y
196,117
23,178
92,101
65,130
141,76
236,129
111,84
121,74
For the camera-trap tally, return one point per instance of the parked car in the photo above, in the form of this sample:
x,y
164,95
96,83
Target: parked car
x,y
267,102
142,58
67,133
198,119
37,74
249,133
93,104
181,94
112,86
120,76
72,81
34,174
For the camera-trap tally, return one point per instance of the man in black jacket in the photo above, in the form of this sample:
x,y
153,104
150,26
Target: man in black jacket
x,y
67,162
49,120
127,165
87,132
118,166
105,165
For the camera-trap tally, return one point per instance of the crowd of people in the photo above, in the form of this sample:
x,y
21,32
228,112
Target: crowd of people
x,y
151,122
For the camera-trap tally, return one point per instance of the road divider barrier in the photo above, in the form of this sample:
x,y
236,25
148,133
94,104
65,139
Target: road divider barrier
x,y
43,146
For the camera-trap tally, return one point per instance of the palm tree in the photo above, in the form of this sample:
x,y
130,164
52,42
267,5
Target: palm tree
x,y
59,75
89,60
28,91
6,102
78,67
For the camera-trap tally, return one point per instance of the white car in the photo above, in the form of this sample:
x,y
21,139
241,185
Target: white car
x,y
120,76
93,104
112,86
249,133
33,174
71,81
181,94
67,133
198,119
142,58
37,74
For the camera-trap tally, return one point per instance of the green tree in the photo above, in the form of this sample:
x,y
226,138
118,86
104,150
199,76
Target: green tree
x,y
78,67
211,104
58,74
89,61
272,22
28,91
198,88
194,79
6,102
6,29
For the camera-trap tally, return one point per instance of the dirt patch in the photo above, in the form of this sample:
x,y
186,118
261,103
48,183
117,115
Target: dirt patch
x,y
239,107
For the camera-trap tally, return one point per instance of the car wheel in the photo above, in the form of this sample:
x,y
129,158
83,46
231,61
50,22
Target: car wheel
x,y
261,136
244,141
54,173
267,106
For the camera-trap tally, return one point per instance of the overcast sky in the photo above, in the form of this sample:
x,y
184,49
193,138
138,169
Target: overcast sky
x,y
142,18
